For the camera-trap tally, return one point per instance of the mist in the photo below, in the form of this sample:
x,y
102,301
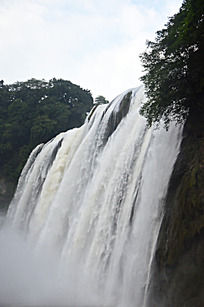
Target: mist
x,y
29,277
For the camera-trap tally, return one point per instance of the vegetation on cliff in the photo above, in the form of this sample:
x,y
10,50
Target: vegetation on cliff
x,y
174,84
174,66
33,112
100,100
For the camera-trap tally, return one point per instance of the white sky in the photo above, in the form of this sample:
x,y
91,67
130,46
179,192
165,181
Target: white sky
x,y
93,43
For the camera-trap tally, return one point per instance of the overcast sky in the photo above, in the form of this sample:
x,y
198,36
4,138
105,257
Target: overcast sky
x,y
93,43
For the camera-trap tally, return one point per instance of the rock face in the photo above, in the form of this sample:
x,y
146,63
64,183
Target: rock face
x,y
6,193
179,261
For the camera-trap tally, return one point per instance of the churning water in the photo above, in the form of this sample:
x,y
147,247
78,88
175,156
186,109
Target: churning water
x,y
83,225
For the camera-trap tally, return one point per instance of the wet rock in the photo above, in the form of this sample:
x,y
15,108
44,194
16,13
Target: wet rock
x,y
6,192
179,261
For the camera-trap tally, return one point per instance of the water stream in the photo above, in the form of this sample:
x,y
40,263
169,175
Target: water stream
x,y
83,225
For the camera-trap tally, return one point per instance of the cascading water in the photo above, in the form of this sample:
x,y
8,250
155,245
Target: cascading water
x,y
89,207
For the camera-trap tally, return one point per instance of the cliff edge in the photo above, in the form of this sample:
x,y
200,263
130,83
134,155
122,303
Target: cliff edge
x,y
179,260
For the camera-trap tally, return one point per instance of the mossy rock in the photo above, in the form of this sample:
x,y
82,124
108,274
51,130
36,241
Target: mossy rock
x,y
179,261
184,217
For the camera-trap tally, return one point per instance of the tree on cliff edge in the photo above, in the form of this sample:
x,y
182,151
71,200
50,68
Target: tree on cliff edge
x,y
174,66
33,112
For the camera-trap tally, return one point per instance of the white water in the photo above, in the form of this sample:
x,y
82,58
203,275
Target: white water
x,y
89,208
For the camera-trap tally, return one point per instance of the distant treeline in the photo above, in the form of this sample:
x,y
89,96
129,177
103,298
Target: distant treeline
x,y
33,112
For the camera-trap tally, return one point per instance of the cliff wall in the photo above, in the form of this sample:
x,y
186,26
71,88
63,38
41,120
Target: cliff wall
x,y
179,261
6,192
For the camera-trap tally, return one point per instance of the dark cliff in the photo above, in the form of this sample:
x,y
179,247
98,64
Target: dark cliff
x,y
179,259
7,188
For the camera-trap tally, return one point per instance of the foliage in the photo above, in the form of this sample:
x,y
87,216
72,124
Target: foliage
x,y
174,80
33,112
100,100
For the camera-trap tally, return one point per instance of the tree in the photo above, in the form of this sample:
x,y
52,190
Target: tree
x,y
33,112
100,100
174,80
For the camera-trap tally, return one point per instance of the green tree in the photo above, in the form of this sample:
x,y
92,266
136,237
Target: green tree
x,y
33,112
174,67
101,100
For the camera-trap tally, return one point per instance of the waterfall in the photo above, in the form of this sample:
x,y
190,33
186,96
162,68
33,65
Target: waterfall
x,y
87,211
